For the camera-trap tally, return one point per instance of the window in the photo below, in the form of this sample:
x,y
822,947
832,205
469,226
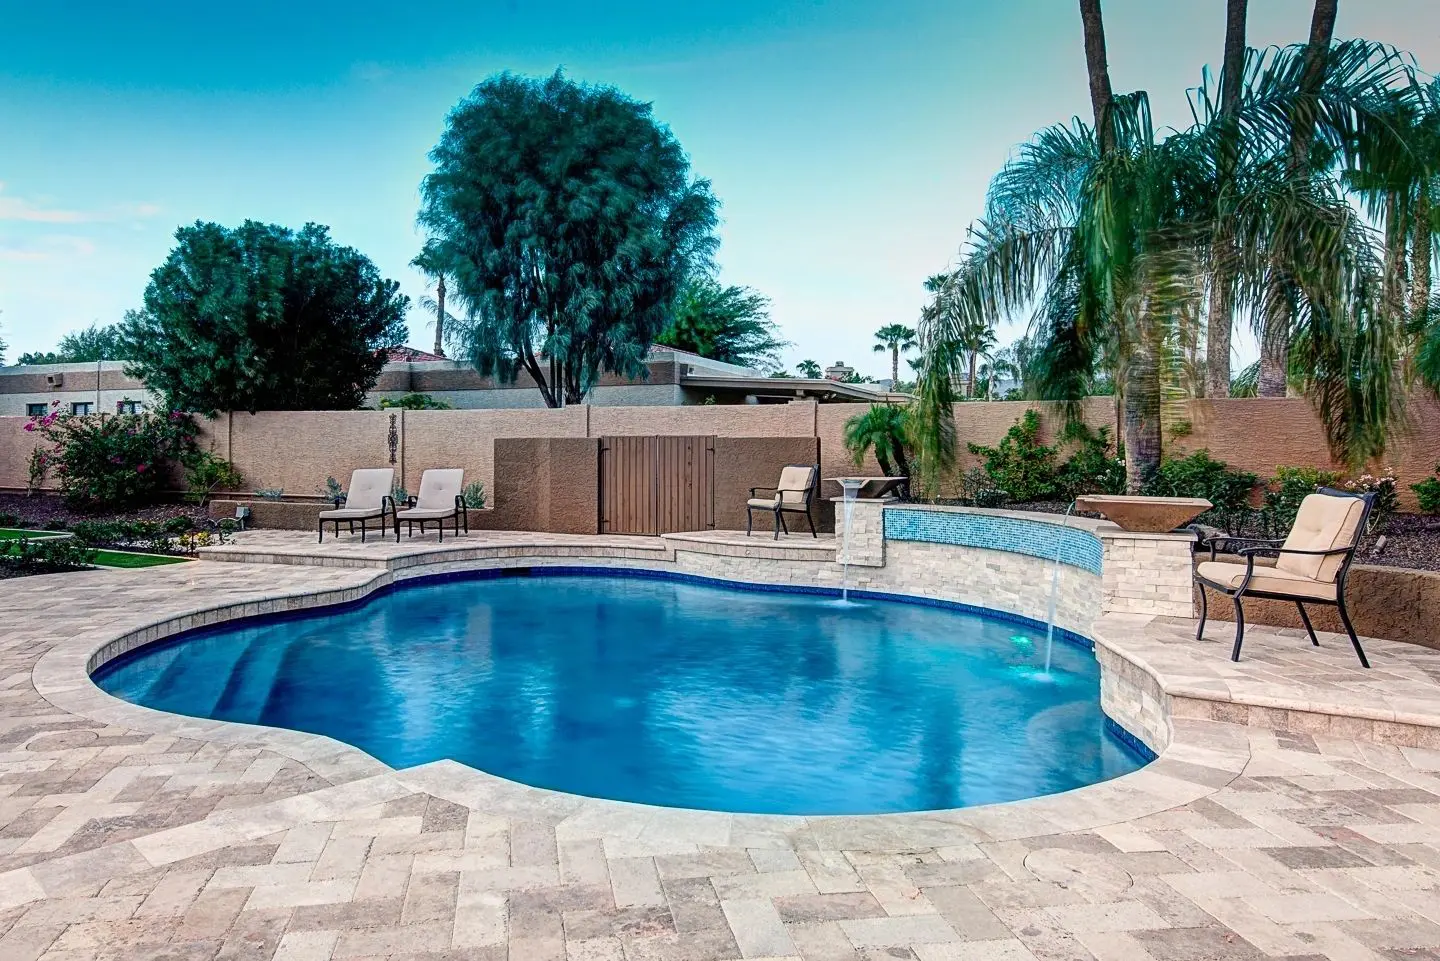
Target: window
x,y
82,407
36,410
128,407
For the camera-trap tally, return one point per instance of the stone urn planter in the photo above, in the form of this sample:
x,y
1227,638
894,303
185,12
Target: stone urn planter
x,y
1150,515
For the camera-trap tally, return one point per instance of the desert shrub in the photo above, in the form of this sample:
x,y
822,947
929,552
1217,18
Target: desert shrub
x,y
1020,465
414,402
1094,468
1286,490
270,493
8,519
1387,497
1200,475
46,556
333,490
473,495
207,472
114,460
57,524
1427,492
991,497
159,538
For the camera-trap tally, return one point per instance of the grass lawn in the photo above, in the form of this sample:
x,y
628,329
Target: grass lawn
x,y
103,558
118,559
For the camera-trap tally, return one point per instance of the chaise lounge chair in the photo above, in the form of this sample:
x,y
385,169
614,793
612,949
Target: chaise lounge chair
x,y
1310,567
367,499
439,500
791,496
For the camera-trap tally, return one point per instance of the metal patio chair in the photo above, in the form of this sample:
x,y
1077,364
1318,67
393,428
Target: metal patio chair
x,y
792,495
367,499
1310,567
439,500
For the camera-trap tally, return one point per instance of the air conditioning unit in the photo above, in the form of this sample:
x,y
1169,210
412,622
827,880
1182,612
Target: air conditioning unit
x,y
54,380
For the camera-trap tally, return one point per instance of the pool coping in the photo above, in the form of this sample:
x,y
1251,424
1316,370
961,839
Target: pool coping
x,y
1200,756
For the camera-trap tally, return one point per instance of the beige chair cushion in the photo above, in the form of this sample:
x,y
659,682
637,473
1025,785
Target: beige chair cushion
x,y
764,503
1323,523
795,482
1271,580
368,488
427,513
439,488
349,514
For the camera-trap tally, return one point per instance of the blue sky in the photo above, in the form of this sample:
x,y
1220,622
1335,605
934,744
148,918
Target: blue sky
x,y
850,142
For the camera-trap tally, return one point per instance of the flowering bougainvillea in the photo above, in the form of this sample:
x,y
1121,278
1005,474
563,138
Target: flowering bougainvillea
x,y
117,460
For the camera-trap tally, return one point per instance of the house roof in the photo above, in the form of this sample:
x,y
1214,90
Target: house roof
x,y
404,355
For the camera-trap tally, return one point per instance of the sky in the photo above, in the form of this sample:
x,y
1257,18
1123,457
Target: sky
x,y
849,141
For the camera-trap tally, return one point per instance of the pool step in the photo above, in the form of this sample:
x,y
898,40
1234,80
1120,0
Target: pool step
x,y
191,685
248,686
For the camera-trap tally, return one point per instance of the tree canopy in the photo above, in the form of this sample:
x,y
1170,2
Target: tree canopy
x,y
261,317
83,346
570,222
730,324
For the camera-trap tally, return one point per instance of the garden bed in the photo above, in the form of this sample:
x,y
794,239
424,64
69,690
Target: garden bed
x,y
48,511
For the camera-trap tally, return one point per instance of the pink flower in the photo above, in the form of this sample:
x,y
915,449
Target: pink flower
x,y
140,468
30,426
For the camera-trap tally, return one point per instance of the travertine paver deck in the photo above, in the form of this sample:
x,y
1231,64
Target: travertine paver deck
x,y
118,840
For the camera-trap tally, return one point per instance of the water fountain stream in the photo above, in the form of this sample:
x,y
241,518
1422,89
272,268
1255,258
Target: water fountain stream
x,y
1055,589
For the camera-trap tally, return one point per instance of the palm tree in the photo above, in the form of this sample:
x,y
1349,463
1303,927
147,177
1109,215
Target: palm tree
x,y
808,368
1220,321
897,339
1098,68
432,261
885,429
1275,331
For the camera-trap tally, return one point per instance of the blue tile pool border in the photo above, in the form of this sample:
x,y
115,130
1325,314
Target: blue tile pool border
x,y
1129,741
1016,535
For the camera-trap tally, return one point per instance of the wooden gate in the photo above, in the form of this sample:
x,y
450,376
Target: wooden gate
x,y
657,485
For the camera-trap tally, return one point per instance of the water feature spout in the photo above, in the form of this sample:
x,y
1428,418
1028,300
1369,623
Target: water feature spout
x,y
1055,589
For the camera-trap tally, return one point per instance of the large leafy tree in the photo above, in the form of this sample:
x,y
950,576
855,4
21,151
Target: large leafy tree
x,y
261,317
573,223
730,324
83,346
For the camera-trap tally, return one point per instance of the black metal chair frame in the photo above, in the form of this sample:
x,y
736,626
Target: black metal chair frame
x,y
778,520
461,516
387,509
1273,546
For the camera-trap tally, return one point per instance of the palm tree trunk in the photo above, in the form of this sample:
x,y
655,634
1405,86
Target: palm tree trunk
x,y
1098,68
1221,320
894,365
1421,252
1141,403
1275,337
970,384
1396,235
440,316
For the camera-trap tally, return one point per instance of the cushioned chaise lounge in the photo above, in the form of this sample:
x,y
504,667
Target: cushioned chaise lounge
x,y
367,499
791,496
1310,566
439,500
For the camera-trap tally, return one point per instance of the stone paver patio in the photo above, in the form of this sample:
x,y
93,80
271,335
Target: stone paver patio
x,y
1260,833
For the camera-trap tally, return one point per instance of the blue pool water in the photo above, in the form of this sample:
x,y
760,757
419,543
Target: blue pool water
x,y
663,692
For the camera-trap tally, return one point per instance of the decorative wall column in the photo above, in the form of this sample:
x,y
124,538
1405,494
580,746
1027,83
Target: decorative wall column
x,y
1146,573
866,541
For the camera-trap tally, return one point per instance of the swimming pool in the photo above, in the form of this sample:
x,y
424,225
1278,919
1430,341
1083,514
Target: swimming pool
x,y
663,691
